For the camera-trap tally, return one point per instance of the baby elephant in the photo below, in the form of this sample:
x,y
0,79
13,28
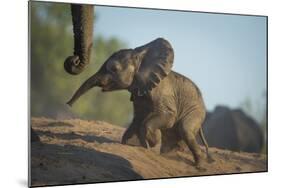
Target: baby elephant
x,y
162,99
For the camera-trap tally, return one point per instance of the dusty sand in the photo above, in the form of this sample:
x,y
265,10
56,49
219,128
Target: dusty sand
x,y
78,151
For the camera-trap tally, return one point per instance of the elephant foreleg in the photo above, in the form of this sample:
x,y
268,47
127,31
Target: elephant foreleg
x,y
150,131
132,130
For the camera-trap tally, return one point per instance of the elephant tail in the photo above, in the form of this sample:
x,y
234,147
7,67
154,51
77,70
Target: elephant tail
x,y
209,157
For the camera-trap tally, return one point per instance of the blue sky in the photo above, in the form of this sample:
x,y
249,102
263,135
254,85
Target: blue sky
x,y
225,55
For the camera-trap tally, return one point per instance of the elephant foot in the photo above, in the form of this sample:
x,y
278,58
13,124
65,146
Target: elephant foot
x,y
144,143
210,159
156,149
199,166
124,141
130,140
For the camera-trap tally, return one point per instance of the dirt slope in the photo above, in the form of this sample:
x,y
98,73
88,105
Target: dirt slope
x,y
76,151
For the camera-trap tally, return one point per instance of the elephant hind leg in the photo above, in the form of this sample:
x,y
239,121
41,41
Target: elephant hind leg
x,y
204,141
189,128
191,142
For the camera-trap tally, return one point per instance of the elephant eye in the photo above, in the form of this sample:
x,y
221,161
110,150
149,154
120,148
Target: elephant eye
x,y
115,68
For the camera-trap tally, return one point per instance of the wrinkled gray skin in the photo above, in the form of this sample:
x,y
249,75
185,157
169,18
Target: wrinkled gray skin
x,y
82,20
162,99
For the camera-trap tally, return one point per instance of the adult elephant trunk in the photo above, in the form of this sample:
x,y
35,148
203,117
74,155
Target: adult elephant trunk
x,y
82,19
88,84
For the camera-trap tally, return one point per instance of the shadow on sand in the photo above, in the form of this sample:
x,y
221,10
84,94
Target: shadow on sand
x,y
53,164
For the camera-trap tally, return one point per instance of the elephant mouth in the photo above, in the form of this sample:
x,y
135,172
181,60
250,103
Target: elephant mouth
x,y
111,87
105,89
108,87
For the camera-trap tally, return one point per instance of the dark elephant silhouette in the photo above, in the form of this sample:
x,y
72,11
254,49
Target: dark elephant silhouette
x,y
233,130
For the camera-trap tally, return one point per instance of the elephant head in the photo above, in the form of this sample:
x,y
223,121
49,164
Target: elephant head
x,y
82,19
138,70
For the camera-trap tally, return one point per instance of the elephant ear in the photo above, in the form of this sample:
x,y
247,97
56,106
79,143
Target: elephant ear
x,y
155,61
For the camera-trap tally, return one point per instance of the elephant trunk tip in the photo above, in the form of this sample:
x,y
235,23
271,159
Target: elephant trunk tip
x,y
73,65
69,103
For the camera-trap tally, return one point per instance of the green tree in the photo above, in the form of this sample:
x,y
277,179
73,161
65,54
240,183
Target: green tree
x,y
51,41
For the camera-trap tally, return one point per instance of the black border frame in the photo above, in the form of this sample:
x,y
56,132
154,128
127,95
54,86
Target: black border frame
x,y
145,8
